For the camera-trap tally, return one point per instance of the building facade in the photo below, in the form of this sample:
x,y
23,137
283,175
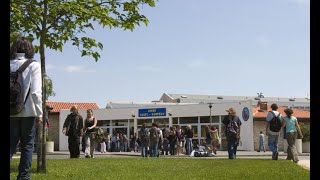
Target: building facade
x,y
129,120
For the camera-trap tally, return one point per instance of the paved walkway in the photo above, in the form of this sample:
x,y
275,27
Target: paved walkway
x,y
304,158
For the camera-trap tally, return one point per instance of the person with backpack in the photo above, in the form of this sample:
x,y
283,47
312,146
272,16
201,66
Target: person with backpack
x,y
144,140
232,131
26,107
273,127
292,131
90,124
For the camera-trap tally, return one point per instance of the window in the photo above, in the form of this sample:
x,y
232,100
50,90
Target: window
x,y
162,121
206,119
121,122
188,120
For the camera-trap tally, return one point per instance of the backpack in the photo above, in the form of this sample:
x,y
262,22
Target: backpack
x,y
275,123
232,129
17,100
143,135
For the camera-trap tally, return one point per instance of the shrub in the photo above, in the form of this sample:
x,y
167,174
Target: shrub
x,y
305,129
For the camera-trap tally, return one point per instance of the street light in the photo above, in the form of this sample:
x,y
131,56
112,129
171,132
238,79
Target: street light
x,y
210,106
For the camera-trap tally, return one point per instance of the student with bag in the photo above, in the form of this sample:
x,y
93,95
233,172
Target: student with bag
x,y
273,135
29,115
232,123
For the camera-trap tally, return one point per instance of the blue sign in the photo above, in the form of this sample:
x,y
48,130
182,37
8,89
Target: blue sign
x,y
245,114
152,112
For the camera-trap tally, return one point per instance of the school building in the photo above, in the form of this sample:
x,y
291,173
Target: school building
x,y
182,109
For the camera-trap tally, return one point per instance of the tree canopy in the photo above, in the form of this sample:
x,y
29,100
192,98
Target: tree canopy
x,y
54,22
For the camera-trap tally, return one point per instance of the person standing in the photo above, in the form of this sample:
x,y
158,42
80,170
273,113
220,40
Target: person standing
x,y
208,138
103,146
73,128
144,140
108,142
154,140
89,129
189,136
273,136
23,125
232,123
261,142
215,139
292,128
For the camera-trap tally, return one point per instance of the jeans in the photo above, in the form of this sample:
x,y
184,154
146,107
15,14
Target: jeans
x,y
188,146
232,148
144,150
23,129
90,144
261,146
108,146
136,147
154,150
273,143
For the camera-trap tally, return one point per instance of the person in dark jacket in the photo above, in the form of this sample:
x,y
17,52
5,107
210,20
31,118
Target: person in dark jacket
x,y
189,136
73,128
232,123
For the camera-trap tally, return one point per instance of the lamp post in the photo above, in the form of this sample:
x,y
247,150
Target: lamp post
x,y
210,106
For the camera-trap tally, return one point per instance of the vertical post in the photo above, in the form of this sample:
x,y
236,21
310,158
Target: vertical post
x,y
44,139
210,106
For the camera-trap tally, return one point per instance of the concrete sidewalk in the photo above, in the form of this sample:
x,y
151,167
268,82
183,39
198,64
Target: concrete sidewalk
x,y
304,158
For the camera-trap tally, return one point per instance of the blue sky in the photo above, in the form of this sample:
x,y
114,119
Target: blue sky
x,y
234,48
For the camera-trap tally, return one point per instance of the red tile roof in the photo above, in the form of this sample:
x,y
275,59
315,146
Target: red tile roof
x,y
263,114
57,106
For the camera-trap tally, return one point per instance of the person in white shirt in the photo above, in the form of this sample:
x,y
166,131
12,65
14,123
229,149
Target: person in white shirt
x,y
23,124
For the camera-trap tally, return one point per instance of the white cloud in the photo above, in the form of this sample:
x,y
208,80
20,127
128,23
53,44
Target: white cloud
x,y
196,64
149,68
76,69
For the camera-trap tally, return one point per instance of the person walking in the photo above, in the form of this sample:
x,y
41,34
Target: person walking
x,y
232,123
292,131
23,125
73,128
261,142
273,136
89,129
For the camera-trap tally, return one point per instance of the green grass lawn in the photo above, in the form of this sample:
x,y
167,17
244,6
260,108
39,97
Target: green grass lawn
x,y
165,168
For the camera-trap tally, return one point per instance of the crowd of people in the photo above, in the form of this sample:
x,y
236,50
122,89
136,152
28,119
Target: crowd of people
x,y
175,140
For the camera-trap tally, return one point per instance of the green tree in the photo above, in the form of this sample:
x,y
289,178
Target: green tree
x,y
54,22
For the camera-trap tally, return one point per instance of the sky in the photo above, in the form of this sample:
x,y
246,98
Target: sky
x,y
206,47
